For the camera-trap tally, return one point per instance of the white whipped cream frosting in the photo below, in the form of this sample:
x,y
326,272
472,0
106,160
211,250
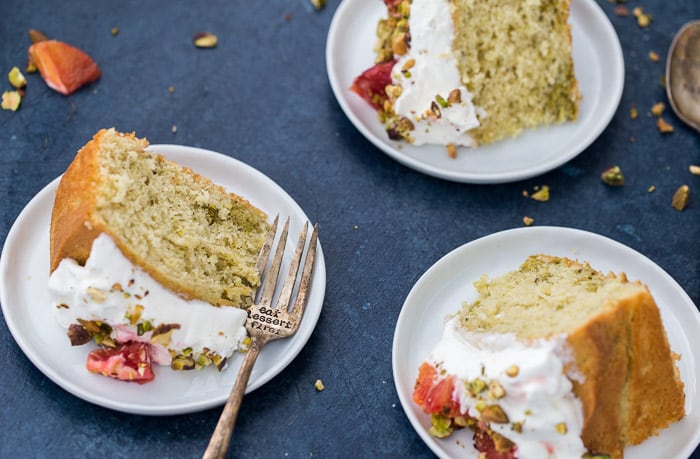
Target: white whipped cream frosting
x,y
220,329
540,395
434,72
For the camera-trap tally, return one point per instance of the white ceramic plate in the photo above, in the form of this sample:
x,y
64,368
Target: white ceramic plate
x,y
599,68
24,270
443,288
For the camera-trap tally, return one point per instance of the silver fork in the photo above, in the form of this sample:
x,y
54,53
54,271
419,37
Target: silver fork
x,y
266,323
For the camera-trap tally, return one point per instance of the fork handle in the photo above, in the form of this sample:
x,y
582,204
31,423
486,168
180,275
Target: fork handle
x,y
218,444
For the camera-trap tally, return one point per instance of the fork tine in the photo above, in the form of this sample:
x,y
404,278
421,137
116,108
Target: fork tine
x,y
286,293
268,290
305,282
266,248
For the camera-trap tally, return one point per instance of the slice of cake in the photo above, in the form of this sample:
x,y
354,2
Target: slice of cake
x,y
471,72
553,360
150,259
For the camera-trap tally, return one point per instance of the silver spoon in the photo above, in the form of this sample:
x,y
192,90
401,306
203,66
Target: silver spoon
x,y
683,74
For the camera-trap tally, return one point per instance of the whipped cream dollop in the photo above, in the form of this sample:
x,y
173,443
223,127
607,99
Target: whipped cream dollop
x,y
429,69
536,394
109,288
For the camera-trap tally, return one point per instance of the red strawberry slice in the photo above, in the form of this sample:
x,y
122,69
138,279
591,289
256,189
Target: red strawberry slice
x,y
371,83
127,362
65,68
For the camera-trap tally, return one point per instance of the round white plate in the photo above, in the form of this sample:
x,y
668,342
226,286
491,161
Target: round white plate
x,y
24,269
599,68
443,288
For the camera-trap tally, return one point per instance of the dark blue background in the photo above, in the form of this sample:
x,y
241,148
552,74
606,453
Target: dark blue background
x,y
262,96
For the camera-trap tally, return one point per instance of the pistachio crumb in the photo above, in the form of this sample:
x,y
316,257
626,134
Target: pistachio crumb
x,y
681,197
16,78
663,126
654,57
11,100
527,221
634,113
496,390
658,108
318,4
173,129
561,428
613,176
115,31
542,194
205,40
651,189
513,371
319,385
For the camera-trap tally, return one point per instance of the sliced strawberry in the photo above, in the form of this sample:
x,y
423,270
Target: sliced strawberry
x,y
426,378
371,83
127,362
65,68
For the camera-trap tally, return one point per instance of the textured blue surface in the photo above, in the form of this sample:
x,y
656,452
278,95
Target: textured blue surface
x,y
263,97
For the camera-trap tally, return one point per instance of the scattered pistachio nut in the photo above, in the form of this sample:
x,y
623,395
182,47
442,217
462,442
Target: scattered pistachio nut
x,y
115,31
318,4
561,428
695,170
517,427
496,390
613,176
651,189
11,100
205,40
541,195
654,57
528,221
634,113
681,197
16,78
399,45
663,126
658,108
319,385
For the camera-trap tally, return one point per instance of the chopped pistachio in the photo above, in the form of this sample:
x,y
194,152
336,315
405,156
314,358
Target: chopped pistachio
x,y
455,96
441,100
318,4
663,126
441,426
11,100
494,413
613,176
651,188
658,108
496,390
542,194
561,428
634,113
97,295
517,427
528,221
319,385
205,40
513,371
681,197
16,78
399,44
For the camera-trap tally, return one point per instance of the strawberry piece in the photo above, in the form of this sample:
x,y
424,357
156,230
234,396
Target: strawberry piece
x,y
127,362
485,444
435,395
371,84
65,68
